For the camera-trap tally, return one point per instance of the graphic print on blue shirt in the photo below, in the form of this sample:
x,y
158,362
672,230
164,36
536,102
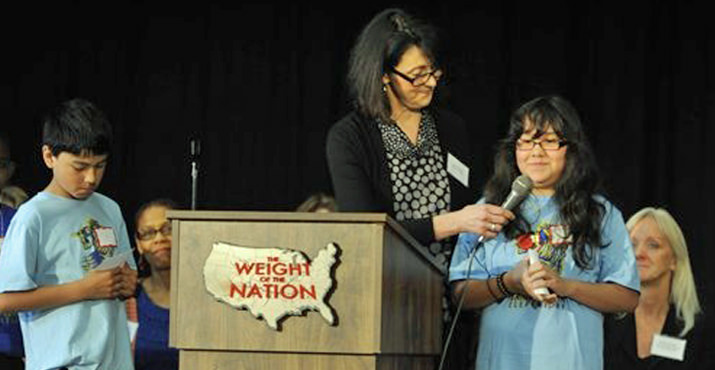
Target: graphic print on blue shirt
x,y
551,243
98,243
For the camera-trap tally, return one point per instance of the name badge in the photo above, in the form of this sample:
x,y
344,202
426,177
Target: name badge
x,y
457,169
668,347
106,237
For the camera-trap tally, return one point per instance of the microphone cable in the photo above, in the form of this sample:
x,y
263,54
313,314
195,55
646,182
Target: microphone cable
x,y
520,188
448,339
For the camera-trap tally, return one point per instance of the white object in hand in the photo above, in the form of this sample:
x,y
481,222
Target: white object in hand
x,y
533,258
114,261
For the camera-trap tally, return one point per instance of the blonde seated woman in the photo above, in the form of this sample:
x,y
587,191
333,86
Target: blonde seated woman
x,y
668,304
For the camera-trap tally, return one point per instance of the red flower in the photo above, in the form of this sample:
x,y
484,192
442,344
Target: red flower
x,y
524,241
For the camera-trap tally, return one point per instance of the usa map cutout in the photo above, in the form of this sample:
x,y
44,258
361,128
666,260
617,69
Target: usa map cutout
x,y
271,283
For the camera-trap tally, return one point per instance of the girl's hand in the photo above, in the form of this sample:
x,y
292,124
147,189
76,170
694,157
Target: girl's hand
x,y
535,277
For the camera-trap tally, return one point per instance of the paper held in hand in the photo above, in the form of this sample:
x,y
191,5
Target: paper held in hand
x,y
114,261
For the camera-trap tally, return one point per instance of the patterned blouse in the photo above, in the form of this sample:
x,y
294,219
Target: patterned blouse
x,y
418,174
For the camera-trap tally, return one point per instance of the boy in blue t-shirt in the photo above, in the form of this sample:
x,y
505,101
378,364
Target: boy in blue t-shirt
x,y
65,262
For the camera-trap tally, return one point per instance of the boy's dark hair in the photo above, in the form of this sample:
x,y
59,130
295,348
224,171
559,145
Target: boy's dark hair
x,y
79,127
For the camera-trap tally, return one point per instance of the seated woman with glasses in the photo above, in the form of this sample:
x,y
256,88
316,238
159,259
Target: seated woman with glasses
x,y
150,308
584,264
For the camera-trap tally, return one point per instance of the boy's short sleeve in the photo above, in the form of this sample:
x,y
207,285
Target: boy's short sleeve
x,y
19,253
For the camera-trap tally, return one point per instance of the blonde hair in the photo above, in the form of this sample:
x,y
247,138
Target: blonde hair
x,y
683,293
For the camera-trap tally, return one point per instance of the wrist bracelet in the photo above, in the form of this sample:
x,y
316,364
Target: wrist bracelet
x,y
502,286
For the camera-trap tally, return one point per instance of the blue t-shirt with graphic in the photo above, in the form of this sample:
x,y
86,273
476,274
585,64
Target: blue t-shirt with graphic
x,y
10,334
54,240
521,333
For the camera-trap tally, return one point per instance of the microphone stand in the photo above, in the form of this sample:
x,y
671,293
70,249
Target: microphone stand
x,y
195,151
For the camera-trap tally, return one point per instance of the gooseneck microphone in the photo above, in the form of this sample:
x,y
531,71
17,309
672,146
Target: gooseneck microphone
x,y
195,150
520,189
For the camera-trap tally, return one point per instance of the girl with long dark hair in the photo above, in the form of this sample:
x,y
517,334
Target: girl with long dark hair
x,y
585,259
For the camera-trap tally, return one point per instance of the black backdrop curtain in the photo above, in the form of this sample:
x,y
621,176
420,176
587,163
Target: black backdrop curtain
x,y
261,83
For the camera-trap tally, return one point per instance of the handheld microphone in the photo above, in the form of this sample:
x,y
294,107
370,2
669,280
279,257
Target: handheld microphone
x,y
520,189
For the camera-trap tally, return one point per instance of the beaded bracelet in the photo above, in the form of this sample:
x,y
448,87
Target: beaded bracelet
x,y
502,286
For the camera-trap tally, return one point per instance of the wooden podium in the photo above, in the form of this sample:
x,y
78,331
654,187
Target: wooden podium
x,y
387,294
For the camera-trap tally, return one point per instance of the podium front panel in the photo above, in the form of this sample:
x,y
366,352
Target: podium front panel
x,y
411,300
386,298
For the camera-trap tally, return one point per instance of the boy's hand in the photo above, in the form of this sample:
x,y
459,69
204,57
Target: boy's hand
x,y
128,282
102,284
119,282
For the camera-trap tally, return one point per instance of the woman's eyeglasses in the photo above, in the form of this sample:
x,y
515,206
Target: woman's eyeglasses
x,y
150,233
422,78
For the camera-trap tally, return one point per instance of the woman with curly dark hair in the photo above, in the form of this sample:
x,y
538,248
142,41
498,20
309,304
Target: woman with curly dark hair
x,y
583,255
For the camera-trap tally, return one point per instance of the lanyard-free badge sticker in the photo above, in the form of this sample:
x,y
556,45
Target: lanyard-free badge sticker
x,y
106,237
